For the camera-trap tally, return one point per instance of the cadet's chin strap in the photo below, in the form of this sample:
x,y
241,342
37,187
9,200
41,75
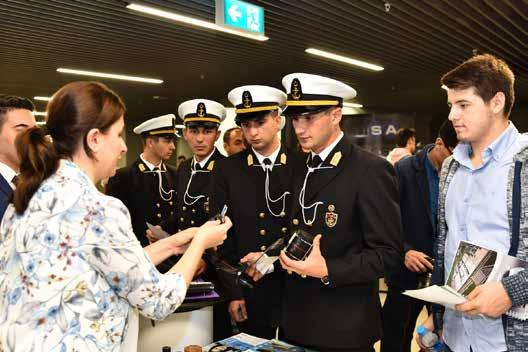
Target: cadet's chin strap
x,y
186,195
267,168
303,191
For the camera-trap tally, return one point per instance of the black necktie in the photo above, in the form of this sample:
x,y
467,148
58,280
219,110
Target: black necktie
x,y
315,162
197,167
155,169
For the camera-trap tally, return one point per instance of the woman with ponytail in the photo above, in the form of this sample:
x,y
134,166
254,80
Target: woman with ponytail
x,y
72,273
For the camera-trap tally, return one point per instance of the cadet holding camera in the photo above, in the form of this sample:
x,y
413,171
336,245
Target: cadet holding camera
x,y
346,199
255,185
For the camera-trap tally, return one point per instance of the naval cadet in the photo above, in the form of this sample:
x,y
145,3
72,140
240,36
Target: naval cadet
x,y
255,184
201,118
347,199
147,187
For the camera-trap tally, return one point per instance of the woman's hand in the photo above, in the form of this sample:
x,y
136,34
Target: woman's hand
x,y
181,240
212,233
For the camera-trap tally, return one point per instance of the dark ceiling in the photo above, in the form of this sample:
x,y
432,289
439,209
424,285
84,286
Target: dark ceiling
x,y
416,41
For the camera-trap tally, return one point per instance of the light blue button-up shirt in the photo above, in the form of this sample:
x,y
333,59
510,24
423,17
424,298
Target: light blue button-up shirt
x,y
476,212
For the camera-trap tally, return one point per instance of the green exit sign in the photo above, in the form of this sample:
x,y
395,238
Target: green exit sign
x,y
241,15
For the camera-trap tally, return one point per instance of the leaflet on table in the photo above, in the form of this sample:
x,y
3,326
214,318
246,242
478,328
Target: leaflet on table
x,y
473,265
248,343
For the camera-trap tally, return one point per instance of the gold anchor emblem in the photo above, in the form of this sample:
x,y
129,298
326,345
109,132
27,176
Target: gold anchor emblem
x,y
246,99
201,110
296,89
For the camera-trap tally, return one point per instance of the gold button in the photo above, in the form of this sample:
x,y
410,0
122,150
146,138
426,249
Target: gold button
x,y
170,202
172,212
283,214
158,215
182,219
262,215
262,248
309,223
295,221
192,222
284,230
303,276
184,208
262,232
193,210
158,205
289,272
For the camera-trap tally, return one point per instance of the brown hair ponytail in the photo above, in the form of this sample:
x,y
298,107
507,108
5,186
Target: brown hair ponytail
x,y
38,161
73,111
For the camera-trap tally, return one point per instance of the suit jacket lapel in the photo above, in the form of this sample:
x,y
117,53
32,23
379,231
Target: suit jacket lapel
x,y
254,169
279,177
423,185
5,187
321,177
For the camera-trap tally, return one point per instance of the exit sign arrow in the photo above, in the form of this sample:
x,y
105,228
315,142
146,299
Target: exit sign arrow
x,y
234,13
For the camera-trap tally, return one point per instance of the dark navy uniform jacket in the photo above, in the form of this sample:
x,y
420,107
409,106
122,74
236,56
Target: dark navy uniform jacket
x,y
138,189
359,220
191,211
238,182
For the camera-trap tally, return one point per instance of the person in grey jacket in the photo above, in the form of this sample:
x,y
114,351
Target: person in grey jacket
x,y
481,195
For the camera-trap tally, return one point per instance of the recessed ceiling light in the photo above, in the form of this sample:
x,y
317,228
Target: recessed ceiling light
x,y
40,123
344,59
42,98
193,21
444,87
39,113
110,75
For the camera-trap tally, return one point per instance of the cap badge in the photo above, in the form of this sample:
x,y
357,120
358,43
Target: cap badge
x,y
141,167
247,101
296,91
200,110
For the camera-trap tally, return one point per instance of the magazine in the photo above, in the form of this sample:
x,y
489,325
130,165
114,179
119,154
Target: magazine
x,y
248,343
473,265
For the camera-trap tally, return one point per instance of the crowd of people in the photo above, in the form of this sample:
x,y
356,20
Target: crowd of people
x,y
77,265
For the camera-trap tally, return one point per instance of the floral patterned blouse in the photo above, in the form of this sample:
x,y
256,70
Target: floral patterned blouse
x,y
71,268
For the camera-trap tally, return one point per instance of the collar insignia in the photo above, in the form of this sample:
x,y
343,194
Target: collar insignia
x,y
283,159
336,158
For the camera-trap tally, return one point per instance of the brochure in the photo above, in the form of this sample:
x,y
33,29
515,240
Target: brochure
x,y
473,265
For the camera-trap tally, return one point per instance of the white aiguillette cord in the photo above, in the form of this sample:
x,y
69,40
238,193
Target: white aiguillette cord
x,y
186,195
267,195
165,195
303,191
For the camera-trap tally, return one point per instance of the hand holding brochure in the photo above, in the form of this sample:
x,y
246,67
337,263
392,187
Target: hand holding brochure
x,y
473,265
157,231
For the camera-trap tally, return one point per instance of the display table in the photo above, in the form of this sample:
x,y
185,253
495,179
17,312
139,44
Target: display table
x,y
178,330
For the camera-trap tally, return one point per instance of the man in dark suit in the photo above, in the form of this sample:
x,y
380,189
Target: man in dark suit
x,y
418,178
16,116
348,199
255,185
147,187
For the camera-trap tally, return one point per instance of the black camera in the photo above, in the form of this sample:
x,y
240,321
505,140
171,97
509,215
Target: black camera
x,y
300,244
